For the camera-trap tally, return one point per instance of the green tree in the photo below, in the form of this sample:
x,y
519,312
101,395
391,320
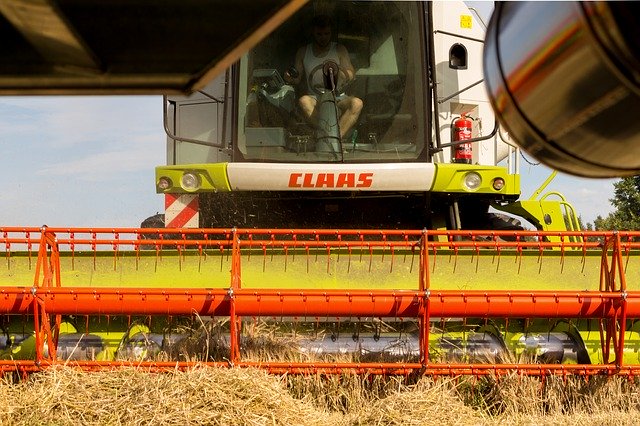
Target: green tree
x,y
626,200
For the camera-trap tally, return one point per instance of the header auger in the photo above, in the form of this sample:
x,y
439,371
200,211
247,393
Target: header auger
x,y
380,302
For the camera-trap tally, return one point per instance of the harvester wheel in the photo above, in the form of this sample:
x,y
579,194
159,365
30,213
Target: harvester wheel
x,y
503,222
155,221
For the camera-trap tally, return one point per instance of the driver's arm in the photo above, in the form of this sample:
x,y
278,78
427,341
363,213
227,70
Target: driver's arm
x,y
299,67
347,72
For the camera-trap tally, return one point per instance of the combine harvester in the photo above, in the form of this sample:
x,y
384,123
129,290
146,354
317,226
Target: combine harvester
x,y
392,249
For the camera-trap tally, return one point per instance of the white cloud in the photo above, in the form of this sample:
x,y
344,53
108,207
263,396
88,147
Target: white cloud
x,y
80,161
144,154
63,122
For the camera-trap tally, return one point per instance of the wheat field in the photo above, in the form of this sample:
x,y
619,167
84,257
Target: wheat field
x,y
234,396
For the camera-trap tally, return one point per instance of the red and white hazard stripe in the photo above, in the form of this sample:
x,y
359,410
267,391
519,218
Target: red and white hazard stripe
x,y
181,211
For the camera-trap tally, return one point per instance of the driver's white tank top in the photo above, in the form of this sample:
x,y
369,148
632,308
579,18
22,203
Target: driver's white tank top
x,y
310,61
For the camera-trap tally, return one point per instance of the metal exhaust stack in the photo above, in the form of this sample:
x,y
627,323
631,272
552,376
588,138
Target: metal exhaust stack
x,y
564,79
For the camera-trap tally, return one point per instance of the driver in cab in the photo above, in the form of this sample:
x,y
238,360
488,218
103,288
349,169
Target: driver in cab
x,y
308,66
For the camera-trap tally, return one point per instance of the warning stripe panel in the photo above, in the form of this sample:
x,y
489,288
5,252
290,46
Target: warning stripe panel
x,y
181,211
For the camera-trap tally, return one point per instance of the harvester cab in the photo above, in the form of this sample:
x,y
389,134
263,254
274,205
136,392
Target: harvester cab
x,y
248,148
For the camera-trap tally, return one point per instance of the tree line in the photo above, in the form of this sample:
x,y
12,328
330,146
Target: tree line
x,y
626,200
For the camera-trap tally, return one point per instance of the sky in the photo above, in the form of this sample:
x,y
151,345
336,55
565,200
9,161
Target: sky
x,y
80,161
89,162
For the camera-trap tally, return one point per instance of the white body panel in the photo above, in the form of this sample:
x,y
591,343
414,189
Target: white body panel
x,y
455,18
335,177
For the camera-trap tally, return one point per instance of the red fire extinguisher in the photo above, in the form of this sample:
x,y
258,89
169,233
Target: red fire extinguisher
x,y
462,128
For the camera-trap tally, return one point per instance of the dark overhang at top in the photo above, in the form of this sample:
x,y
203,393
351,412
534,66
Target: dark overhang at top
x,y
127,46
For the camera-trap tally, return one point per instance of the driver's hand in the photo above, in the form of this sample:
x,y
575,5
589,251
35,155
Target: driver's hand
x,y
291,75
344,75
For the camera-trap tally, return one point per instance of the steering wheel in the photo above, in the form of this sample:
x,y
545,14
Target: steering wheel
x,y
319,88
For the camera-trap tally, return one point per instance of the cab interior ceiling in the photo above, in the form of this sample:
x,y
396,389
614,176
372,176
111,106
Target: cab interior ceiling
x,y
133,47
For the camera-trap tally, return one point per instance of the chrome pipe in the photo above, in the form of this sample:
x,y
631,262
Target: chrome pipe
x,y
564,79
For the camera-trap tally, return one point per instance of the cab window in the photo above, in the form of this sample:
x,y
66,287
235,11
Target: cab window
x,y
386,52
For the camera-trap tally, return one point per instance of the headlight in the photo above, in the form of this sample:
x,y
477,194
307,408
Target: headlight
x,y
498,183
164,183
472,181
190,181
